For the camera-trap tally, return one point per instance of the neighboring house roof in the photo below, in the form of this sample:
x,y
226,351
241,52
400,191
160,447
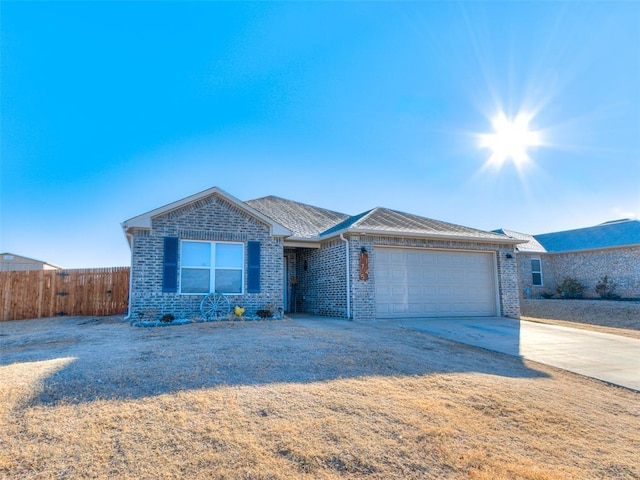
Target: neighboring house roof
x,y
302,219
384,221
8,260
144,221
617,233
530,245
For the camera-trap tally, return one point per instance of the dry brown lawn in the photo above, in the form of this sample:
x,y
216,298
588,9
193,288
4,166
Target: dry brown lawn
x,y
617,317
283,400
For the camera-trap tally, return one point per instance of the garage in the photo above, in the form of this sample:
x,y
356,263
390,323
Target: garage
x,y
413,282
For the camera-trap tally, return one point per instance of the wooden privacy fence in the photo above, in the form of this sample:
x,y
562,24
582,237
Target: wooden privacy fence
x,y
47,293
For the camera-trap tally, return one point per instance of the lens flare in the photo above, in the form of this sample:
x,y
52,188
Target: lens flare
x,y
510,140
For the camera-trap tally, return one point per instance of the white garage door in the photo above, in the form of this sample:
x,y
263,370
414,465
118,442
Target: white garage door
x,y
434,283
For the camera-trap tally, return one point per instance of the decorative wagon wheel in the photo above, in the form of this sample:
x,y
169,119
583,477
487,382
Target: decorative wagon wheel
x,y
214,306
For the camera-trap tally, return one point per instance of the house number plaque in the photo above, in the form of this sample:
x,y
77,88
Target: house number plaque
x,y
364,266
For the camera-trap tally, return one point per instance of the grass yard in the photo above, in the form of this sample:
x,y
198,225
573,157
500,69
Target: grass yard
x,y
84,398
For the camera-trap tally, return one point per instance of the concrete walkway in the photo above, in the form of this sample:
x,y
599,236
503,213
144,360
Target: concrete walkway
x,y
611,358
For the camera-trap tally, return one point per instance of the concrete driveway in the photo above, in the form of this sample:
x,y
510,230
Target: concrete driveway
x,y
611,358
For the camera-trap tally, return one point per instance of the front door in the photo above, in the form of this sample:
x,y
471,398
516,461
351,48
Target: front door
x,y
285,286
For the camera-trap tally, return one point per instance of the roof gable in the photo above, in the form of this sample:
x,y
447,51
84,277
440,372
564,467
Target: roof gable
x,y
384,221
607,235
346,223
530,244
144,221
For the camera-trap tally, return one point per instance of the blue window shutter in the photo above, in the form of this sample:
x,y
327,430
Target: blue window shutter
x,y
253,271
170,265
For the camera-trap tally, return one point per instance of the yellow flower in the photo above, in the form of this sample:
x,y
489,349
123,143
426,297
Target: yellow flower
x,y
239,311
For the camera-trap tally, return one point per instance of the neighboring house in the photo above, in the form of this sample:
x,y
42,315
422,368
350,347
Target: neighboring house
x,y
13,262
380,263
611,249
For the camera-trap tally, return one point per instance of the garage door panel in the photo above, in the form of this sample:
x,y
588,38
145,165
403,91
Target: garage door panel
x,y
382,290
415,282
429,291
396,258
398,290
414,290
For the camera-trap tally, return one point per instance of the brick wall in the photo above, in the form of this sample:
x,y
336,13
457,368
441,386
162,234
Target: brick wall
x,y
363,292
622,265
322,280
322,285
525,277
213,219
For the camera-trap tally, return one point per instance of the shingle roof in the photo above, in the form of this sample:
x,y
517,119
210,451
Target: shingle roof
x,y
384,220
303,220
307,221
530,245
618,233
347,223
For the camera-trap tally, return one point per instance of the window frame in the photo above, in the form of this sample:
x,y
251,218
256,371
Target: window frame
x,y
536,272
212,268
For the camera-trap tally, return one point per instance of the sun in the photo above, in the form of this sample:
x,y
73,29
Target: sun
x,y
510,140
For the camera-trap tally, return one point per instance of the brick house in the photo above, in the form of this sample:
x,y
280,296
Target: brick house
x,y
586,254
300,258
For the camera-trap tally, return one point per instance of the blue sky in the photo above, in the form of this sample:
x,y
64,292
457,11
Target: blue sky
x,y
111,109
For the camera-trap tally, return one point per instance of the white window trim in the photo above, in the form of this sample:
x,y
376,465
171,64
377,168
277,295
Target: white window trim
x,y
212,268
536,271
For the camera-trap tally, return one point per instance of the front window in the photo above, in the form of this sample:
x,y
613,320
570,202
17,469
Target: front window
x,y
208,267
536,272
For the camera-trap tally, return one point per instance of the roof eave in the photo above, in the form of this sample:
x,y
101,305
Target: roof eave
x,y
584,250
302,242
433,236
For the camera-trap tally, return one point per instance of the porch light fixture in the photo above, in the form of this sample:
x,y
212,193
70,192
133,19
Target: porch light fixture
x,y
508,255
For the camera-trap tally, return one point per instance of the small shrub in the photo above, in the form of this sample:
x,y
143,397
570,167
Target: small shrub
x,y
605,288
570,288
267,311
167,318
547,295
147,314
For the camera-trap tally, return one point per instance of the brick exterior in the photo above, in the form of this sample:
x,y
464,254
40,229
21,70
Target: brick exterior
x,y
215,219
622,265
321,288
320,273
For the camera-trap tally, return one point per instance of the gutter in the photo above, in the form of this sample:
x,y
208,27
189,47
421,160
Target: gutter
x,y
346,242
427,236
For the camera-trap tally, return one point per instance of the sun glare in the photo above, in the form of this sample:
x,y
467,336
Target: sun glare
x,y
510,140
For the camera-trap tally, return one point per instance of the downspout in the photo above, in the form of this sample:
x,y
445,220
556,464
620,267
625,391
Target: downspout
x,y
130,238
346,242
